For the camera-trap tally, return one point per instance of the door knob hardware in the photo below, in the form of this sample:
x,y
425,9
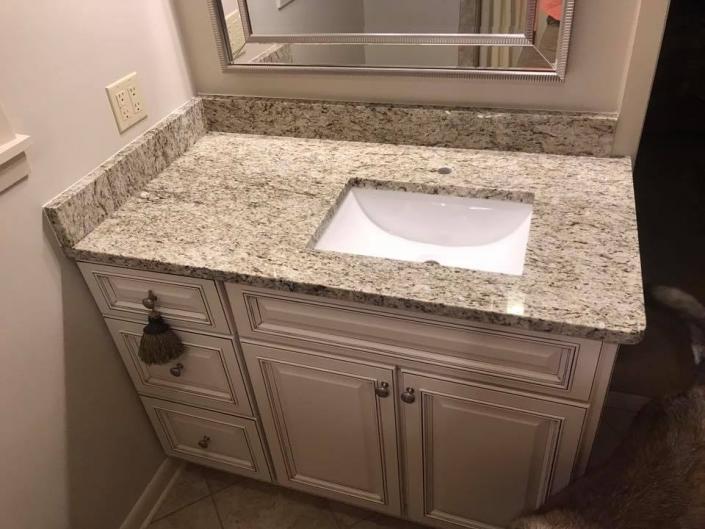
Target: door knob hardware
x,y
409,395
382,390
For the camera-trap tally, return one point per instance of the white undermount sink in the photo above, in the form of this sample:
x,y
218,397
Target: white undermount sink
x,y
475,233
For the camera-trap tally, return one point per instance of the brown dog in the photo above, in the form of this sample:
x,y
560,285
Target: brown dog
x,y
656,478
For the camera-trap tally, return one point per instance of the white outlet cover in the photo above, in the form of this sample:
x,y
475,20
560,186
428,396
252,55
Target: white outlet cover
x,y
126,101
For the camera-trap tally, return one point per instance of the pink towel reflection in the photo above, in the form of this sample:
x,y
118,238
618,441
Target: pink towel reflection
x,y
553,8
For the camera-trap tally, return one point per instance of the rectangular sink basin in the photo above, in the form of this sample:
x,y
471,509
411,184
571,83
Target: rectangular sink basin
x,y
474,233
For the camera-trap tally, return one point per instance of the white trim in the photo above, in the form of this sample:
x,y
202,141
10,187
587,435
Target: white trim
x,y
13,171
13,161
153,494
14,147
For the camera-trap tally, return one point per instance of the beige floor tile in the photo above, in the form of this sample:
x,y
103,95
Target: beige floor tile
x,y
379,521
190,486
218,480
249,504
348,515
199,515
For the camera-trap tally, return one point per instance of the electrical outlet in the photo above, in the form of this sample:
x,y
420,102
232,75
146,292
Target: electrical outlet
x,y
126,101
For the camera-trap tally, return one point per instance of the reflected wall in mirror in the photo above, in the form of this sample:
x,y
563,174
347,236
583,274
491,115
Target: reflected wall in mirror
x,y
486,38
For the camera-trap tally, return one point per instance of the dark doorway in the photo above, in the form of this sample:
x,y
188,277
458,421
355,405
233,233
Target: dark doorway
x,y
669,181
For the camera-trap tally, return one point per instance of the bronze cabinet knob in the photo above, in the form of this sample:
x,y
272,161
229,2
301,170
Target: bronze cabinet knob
x,y
382,390
408,396
177,369
204,442
150,301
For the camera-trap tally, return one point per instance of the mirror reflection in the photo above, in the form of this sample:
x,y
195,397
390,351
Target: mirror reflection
x,y
521,35
275,17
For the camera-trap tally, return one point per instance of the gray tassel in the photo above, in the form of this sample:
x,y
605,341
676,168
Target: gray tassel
x,y
159,344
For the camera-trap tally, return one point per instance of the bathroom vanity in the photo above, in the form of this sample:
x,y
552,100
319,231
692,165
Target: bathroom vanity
x,y
447,396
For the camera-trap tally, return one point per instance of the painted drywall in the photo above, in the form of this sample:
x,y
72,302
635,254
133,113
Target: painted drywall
x,y
599,59
613,54
640,76
76,446
6,133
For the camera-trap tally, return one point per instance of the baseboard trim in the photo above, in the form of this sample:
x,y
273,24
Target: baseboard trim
x,y
626,401
147,504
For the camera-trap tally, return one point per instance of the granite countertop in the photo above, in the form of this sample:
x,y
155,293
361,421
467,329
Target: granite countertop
x,y
244,208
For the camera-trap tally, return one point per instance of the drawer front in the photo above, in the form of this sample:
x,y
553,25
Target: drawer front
x,y
207,374
522,359
185,302
209,438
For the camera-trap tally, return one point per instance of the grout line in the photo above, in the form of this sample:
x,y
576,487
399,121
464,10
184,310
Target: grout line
x,y
180,508
214,493
217,513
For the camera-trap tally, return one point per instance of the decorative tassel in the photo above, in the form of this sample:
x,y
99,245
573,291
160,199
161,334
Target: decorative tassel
x,y
159,344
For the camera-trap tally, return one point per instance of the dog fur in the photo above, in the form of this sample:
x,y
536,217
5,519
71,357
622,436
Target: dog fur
x,y
690,310
656,478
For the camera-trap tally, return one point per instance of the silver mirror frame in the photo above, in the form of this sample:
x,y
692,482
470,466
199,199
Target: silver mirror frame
x,y
526,39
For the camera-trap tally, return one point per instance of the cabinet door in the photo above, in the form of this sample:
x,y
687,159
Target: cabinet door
x,y
478,457
329,432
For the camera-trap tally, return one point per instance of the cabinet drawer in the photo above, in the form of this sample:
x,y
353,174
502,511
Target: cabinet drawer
x,y
527,360
207,373
185,302
209,438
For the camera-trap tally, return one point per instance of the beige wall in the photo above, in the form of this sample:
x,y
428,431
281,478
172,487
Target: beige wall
x,y
76,448
598,63
640,76
599,67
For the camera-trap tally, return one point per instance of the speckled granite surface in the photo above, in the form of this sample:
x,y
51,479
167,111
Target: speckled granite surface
x,y
245,207
464,128
79,209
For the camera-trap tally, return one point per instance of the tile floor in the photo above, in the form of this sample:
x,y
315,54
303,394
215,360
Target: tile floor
x,y
203,498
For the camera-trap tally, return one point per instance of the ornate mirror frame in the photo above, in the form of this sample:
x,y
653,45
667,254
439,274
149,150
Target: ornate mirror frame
x,y
525,39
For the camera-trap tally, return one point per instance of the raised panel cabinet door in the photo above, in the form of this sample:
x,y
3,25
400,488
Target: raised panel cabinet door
x,y
478,457
330,424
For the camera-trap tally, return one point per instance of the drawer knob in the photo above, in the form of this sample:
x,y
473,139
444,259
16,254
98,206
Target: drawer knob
x,y
150,301
408,396
382,390
177,369
204,442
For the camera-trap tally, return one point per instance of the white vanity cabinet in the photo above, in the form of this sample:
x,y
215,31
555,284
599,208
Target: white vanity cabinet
x,y
200,403
331,424
441,421
474,424
478,457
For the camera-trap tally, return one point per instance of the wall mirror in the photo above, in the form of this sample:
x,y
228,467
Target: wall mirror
x,y
524,39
